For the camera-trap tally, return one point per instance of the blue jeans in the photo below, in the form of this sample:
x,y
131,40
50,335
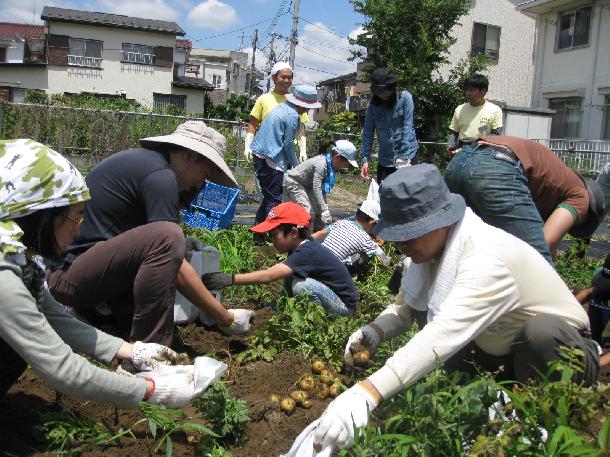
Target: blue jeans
x,y
319,293
496,189
271,184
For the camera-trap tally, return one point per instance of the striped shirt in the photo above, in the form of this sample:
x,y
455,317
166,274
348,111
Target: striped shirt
x,y
346,237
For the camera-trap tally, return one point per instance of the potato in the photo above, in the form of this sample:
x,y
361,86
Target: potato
x,y
318,366
299,396
307,404
323,391
275,399
183,359
334,390
326,376
307,383
287,405
362,358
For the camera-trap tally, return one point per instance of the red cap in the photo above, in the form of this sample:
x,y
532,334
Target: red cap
x,y
284,213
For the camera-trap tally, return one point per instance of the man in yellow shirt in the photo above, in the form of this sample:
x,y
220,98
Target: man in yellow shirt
x,y
281,73
477,118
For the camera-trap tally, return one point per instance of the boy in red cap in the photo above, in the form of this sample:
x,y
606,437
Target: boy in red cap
x,y
310,267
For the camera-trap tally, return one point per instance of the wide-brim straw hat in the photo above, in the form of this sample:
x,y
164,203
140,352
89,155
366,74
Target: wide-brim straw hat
x,y
305,96
199,138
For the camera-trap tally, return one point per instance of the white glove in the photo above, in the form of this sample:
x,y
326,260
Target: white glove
x,y
350,409
364,338
173,391
385,260
326,217
148,356
241,322
302,149
248,146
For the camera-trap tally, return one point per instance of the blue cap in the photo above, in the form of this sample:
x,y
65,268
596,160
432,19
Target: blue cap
x,y
305,96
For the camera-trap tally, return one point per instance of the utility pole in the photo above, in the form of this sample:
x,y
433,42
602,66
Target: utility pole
x,y
271,60
254,41
241,42
294,32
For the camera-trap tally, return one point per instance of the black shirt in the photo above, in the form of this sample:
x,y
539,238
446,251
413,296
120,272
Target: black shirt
x,y
128,189
312,260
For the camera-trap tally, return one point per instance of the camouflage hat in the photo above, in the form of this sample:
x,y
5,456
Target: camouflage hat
x,y
33,177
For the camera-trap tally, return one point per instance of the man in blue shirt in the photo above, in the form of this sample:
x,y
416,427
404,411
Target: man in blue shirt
x,y
273,146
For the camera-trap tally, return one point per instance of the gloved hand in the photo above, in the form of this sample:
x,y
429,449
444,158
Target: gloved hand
x,y
192,244
241,322
364,338
217,280
326,217
148,356
173,391
350,409
248,146
302,149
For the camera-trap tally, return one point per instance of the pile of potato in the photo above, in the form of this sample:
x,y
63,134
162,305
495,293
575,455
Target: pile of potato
x,y
320,384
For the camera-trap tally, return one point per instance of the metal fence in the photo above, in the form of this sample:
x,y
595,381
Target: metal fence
x,y
585,156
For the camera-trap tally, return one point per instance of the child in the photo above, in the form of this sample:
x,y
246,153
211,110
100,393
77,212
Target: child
x,y
350,239
310,267
309,183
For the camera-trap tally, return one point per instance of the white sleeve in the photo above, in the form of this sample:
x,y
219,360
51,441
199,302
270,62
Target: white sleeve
x,y
484,290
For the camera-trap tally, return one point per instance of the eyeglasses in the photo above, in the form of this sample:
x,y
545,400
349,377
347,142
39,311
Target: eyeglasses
x,y
77,222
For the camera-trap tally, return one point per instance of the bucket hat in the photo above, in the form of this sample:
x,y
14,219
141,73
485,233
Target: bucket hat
x,y
383,79
371,208
284,213
199,138
279,66
595,212
305,96
415,201
347,150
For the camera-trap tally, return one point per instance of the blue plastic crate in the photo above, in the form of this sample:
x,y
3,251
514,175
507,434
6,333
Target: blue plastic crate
x,y
213,208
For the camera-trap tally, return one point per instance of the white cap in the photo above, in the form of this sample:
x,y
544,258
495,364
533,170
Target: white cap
x,y
371,208
280,66
347,150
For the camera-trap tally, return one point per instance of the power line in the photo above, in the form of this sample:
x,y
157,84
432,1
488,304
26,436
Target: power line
x,y
325,45
233,31
322,28
322,55
318,69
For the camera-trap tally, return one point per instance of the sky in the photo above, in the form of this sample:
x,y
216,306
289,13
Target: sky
x,y
323,28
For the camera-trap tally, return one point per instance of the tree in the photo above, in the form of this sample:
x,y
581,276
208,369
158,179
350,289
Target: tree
x,y
413,37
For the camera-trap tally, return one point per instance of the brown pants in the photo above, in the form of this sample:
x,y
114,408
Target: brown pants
x,y
135,274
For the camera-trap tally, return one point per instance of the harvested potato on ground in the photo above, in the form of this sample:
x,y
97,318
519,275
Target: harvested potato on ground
x,y
318,366
334,390
183,359
307,383
326,376
299,396
287,405
307,404
275,399
323,391
362,358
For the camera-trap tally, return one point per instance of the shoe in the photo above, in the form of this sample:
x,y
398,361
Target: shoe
x,y
126,368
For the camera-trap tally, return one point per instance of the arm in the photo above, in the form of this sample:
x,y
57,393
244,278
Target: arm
x,y
253,124
290,128
28,332
555,228
319,175
452,141
190,285
368,134
320,235
277,271
409,140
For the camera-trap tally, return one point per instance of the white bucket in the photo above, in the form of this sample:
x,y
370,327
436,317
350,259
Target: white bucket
x,y
206,261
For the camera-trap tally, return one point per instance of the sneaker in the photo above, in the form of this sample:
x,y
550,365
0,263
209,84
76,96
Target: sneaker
x,y
126,368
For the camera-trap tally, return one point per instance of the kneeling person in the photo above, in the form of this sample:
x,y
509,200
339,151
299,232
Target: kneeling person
x,y
310,267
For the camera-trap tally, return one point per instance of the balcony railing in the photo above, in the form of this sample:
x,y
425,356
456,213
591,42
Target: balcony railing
x,y
83,61
137,57
582,155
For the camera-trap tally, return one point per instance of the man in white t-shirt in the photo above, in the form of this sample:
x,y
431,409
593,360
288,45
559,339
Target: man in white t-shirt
x,y
475,119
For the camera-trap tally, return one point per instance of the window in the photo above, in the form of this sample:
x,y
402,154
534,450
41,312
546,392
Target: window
x,y
216,81
573,28
85,53
235,68
567,118
486,40
2,54
606,131
136,53
165,100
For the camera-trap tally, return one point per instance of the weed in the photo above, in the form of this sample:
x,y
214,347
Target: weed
x,y
575,269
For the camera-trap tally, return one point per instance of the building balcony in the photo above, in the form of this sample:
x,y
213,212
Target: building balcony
x,y
137,57
84,61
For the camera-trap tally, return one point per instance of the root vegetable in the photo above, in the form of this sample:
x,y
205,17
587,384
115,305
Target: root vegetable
x,y
334,390
287,405
299,396
307,404
362,358
323,391
307,383
183,359
275,399
318,366
326,377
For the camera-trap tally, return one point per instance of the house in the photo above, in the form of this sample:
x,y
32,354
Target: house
x,y
111,55
572,65
337,95
226,71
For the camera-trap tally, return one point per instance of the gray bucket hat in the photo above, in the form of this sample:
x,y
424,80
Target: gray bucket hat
x,y
595,213
415,201
204,140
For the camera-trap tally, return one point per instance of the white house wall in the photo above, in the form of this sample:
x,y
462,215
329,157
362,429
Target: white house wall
x,y
24,77
581,72
194,99
138,82
510,80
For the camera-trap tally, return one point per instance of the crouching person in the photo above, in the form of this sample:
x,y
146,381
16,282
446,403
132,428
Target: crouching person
x,y
41,208
310,267
490,298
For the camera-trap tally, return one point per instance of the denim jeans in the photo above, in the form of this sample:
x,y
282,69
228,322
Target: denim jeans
x,y
271,184
321,294
496,189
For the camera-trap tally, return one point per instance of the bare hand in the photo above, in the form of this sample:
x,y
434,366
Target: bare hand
x,y
364,170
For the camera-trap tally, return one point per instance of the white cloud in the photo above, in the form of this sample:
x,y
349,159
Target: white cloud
x,y
150,9
213,15
27,11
